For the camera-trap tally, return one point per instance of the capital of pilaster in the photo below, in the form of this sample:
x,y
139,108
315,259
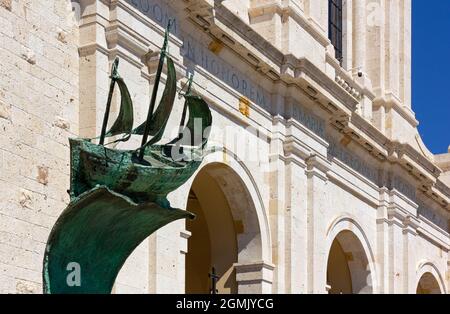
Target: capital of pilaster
x,y
256,271
318,166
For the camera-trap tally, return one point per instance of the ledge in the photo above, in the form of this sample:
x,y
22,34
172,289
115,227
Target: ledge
x,y
392,102
307,23
254,272
329,95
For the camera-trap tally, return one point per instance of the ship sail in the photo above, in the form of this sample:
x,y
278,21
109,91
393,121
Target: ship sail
x,y
160,117
125,119
198,111
156,123
170,91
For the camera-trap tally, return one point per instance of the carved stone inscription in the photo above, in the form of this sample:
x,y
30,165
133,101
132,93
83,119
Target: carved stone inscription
x,y
355,162
199,54
309,120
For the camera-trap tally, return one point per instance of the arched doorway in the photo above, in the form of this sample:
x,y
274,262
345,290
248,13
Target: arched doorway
x,y
348,270
428,284
213,240
225,234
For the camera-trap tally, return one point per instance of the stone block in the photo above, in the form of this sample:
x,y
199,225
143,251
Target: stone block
x,y
5,111
43,175
62,123
7,4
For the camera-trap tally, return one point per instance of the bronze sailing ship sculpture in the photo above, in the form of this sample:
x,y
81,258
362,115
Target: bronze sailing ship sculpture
x,y
119,197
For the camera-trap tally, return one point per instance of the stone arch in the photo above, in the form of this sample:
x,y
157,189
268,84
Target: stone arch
x,y
429,279
247,210
346,234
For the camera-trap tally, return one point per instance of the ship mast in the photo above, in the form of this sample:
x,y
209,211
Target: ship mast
x,y
155,90
114,77
188,91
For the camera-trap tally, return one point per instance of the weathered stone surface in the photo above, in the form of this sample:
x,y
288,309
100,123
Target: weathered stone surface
x,y
25,288
62,123
43,175
7,4
62,36
5,111
25,198
296,204
29,56
36,86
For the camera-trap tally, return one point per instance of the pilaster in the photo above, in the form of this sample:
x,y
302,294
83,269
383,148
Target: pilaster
x,y
347,40
317,204
254,278
405,52
296,223
277,207
382,241
409,249
317,11
359,36
392,40
396,238
94,66
167,256
395,275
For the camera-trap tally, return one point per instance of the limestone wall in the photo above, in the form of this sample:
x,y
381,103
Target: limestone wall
x,y
267,70
39,99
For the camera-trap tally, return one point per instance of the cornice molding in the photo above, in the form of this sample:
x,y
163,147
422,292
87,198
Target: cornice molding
x,y
390,102
285,11
338,103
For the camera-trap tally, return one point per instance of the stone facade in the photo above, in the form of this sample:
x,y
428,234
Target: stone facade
x,y
321,165
39,99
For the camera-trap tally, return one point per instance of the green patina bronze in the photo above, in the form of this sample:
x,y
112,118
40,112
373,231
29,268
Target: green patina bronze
x,y
119,197
98,231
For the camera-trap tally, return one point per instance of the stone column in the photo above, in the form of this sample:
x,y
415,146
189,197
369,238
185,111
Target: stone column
x,y
254,278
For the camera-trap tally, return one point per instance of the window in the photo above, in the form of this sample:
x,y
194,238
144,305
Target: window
x,y
335,26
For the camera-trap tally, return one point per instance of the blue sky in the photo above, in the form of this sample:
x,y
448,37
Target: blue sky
x,y
431,72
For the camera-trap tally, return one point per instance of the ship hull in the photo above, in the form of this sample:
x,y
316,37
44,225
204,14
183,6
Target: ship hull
x,y
120,171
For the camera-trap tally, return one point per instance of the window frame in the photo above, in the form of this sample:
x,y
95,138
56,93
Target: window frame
x,y
336,27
